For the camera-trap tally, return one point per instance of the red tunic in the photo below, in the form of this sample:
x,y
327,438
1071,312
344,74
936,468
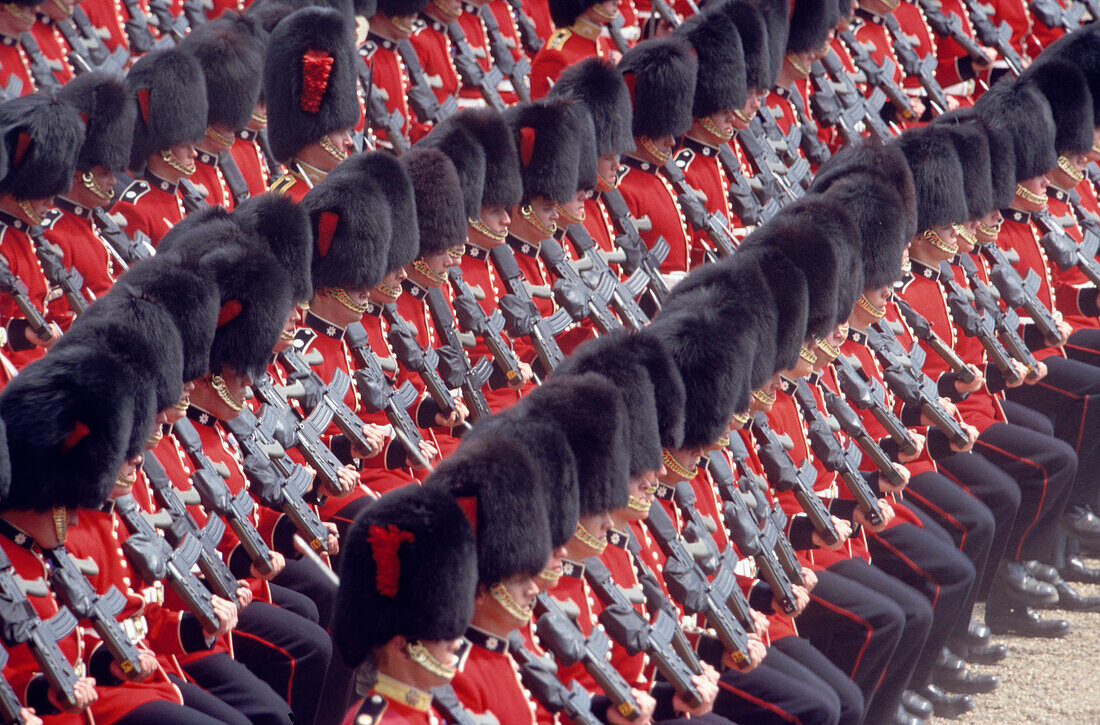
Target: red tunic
x,y
391,82
489,683
566,47
13,62
250,160
70,227
150,205
382,710
1018,234
53,47
291,184
1017,15
705,174
433,48
648,194
1068,283
18,251
110,18
208,178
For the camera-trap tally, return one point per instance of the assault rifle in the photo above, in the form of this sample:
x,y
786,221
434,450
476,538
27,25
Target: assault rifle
x,y
949,26
521,317
125,250
624,293
631,242
422,361
696,529
1006,320
234,179
11,708
976,323
13,287
582,296
878,75
867,393
695,211
853,428
473,320
43,76
744,202
378,115
994,36
67,279
470,71
422,99
1021,293
454,364
922,329
1064,250
539,675
138,28
921,68
517,71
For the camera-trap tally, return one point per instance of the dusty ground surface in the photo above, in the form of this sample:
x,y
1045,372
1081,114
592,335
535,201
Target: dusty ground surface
x,y
1046,681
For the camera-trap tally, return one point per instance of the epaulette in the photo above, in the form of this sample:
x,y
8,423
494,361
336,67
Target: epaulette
x,y
303,338
283,183
137,189
557,40
370,712
684,158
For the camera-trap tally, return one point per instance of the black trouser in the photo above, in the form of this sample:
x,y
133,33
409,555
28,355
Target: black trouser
x,y
162,712
1084,346
805,654
869,625
234,684
927,560
970,525
202,701
779,691
287,651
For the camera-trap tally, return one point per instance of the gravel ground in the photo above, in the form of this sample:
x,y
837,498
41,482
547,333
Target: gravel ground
x,y
1046,681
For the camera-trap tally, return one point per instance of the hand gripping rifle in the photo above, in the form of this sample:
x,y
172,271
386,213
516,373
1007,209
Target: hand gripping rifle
x,y
866,393
517,71
521,316
635,634
853,428
877,75
13,287
469,70
994,36
631,242
1021,293
75,592
924,332
975,323
278,484
744,202
844,462
624,293
770,515
696,530
751,538
1006,320
215,571
454,364
923,69
1064,250
422,361
584,295
902,373
562,638
422,99
719,600
155,560
695,211
539,675
125,250
472,319
378,115
377,393
216,498
67,279
20,624
784,476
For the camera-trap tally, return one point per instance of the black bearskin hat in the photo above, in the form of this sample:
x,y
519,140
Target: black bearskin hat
x,y
937,176
811,21
548,152
1002,156
171,99
104,100
668,386
352,226
1021,109
284,226
409,568
398,8
5,463
503,184
599,86
548,448
752,29
565,12
777,17
583,129
42,141
232,58
440,206
720,84
188,294
880,216
660,74
1067,92
590,411
69,419
310,80
972,149
493,478
609,356
467,157
791,297
1081,47
392,178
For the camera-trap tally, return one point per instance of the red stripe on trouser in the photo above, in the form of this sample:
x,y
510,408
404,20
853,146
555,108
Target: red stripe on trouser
x,y
848,614
769,706
270,645
1042,498
943,514
1084,410
1087,350
912,565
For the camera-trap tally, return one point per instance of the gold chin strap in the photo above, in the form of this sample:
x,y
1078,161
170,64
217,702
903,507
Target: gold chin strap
x,y
408,29
218,383
19,13
550,576
967,237
155,437
797,64
722,442
169,158
569,217
808,355
419,654
287,335
936,241
330,148
712,129
988,230
60,523
60,5
88,181
425,269
676,468
343,298
866,306
638,504
183,403
589,539
35,218
391,293
742,115
218,137
486,230
603,184
446,9
1065,165
532,218
741,418
1030,196
830,351
603,14
648,145
763,397
456,253
126,481
260,118
500,594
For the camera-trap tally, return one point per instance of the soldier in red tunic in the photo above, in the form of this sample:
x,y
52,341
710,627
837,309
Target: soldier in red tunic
x,y
43,138
231,54
433,47
16,18
393,23
406,597
172,111
310,83
661,77
579,35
